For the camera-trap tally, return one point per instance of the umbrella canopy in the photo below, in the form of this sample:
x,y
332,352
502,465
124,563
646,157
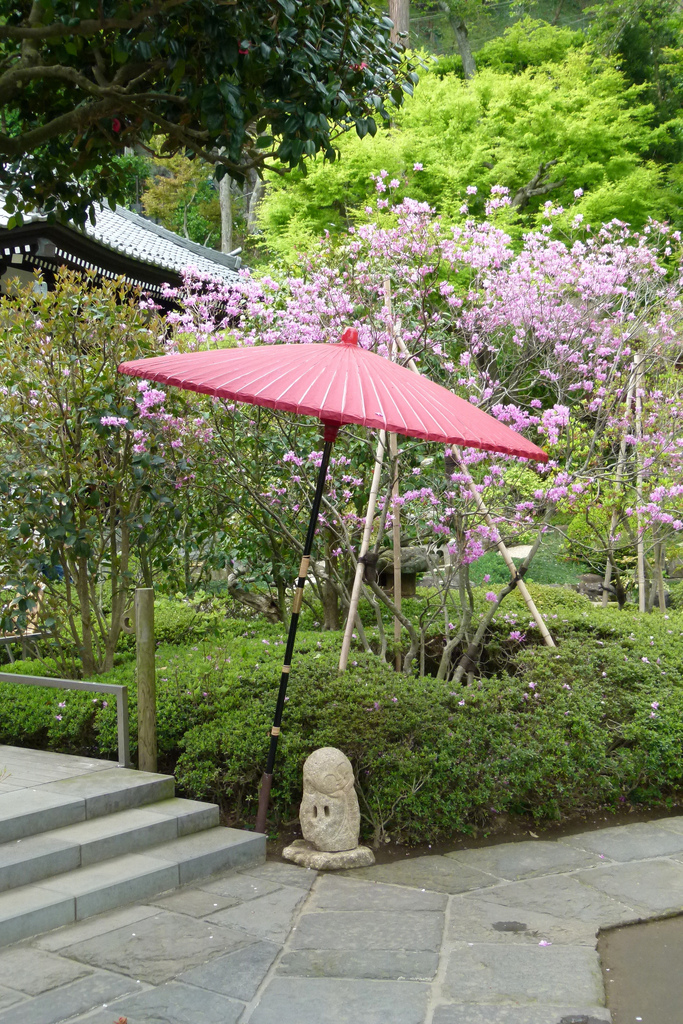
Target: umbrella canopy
x,y
339,384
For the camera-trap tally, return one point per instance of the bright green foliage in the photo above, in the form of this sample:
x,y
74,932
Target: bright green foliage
x,y
526,44
594,723
581,113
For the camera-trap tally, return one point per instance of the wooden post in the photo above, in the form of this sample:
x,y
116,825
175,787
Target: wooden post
x,y
638,359
146,673
395,490
621,468
364,548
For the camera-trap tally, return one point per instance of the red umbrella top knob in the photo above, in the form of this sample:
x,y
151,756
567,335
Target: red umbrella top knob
x,y
350,336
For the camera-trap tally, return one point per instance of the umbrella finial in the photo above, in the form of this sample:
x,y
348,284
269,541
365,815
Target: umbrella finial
x,y
350,336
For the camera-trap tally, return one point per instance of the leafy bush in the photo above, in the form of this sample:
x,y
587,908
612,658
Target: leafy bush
x,y
595,722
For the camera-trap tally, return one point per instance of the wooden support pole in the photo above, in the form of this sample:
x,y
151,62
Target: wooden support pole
x,y
637,365
146,674
621,468
364,548
395,492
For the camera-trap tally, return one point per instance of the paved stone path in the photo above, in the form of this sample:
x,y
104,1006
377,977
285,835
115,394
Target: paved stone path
x,y
501,935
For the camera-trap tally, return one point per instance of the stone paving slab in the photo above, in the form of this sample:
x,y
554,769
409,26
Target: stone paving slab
x,y
389,965
8,997
629,842
84,930
60,1004
561,896
195,902
157,949
27,811
438,874
490,973
334,893
358,930
455,1014
33,971
478,920
283,873
335,1001
239,886
267,917
172,1003
237,975
528,859
28,860
655,885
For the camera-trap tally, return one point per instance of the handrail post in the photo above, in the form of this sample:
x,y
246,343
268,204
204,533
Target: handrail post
x,y
146,673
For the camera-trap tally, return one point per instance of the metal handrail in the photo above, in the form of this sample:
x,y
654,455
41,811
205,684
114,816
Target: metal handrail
x,y
121,693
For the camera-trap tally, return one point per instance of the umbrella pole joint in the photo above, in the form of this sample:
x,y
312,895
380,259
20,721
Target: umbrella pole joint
x,y
267,779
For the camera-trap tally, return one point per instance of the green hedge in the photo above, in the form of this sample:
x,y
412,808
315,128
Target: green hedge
x,y
429,757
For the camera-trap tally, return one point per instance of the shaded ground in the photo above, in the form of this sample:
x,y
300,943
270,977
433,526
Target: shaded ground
x,y
642,972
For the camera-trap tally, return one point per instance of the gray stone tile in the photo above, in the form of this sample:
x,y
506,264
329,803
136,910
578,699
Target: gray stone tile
x,y
475,920
195,902
240,886
190,815
282,873
334,893
28,910
157,948
206,853
381,964
85,930
675,823
106,792
335,1001
559,896
462,1014
27,811
525,860
439,874
32,971
27,860
63,1003
238,974
356,930
9,997
656,885
101,887
173,1003
629,842
269,917
115,835
491,973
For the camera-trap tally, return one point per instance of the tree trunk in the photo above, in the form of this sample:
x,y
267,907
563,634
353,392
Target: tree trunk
x,y
257,190
399,12
330,603
462,40
87,654
225,200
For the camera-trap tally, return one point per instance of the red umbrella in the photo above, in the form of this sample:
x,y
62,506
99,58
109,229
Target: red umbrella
x,y
338,384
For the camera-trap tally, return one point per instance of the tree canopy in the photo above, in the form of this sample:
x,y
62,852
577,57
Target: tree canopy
x,y
235,83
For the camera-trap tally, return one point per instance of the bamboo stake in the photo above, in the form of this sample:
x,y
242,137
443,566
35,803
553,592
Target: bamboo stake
x,y
479,502
637,361
621,468
364,548
395,507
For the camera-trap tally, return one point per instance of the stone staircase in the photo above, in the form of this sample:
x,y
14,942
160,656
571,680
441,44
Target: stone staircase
x,y
83,845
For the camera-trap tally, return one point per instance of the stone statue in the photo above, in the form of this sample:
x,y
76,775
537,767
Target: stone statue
x,y
329,815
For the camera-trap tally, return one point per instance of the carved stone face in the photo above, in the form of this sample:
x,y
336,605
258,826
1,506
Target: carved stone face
x,y
329,813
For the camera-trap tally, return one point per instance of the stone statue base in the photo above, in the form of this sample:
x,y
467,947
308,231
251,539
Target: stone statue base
x,y
306,854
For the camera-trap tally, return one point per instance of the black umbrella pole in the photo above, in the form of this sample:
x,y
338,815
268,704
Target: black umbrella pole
x,y
267,780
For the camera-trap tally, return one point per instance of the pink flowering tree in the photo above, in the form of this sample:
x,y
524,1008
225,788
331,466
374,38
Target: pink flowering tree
x,y
543,337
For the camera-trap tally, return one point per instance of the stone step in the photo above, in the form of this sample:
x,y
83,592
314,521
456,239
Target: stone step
x,y
42,855
84,891
55,805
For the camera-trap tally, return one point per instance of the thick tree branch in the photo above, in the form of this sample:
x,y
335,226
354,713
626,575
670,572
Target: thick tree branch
x,y
538,186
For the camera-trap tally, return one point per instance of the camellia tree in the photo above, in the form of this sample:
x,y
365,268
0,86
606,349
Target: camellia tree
x,y
234,83
89,478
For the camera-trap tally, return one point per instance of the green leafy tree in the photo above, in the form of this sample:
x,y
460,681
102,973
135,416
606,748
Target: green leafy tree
x,y
554,129
88,485
184,199
234,83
